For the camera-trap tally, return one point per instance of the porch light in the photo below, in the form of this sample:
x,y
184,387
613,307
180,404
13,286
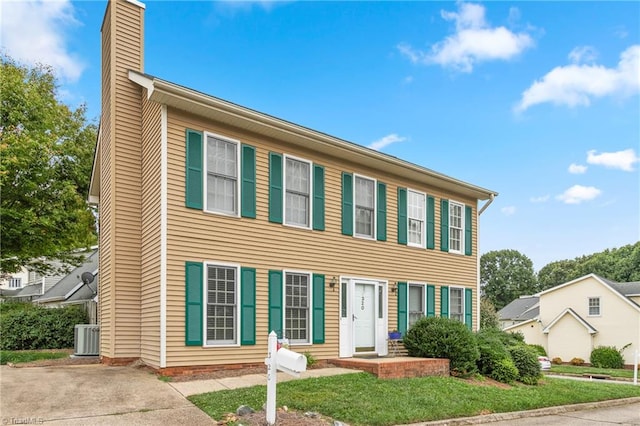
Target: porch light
x,y
393,286
333,283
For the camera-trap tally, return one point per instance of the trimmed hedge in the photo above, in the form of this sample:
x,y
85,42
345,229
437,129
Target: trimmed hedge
x,y
492,352
27,326
526,361
607,357
437,337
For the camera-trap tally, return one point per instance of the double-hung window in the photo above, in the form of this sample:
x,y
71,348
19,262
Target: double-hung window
x,y
222,169
416,303
297,316
594,306
15,282
298,192
416,218
221,312
456,303
456,227
365,206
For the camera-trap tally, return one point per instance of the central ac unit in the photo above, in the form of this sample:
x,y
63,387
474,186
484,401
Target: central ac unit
x,y
87,339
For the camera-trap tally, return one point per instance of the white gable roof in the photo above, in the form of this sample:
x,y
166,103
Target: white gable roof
x,y
571,312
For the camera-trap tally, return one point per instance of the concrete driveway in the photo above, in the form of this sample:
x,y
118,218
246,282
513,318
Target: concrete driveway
x,y
92,395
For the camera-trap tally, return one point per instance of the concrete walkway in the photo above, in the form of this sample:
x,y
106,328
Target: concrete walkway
x,y
195,387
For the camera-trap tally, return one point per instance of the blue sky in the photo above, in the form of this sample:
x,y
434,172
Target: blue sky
x,y
538,101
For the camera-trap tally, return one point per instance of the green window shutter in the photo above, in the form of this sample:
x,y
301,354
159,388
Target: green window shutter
x,y
318,197
402,307
248,192
468,236
347,203
318,308
193,304
444,302
193,170
444,225
468,307
431,223
382,212
431,301
275,187
402,216
275,302
248,306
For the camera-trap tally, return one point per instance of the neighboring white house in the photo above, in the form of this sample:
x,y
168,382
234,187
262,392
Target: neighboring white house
x,y
15,281
522,309
578,316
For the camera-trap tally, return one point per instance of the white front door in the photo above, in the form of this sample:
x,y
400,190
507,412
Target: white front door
x,y
364,318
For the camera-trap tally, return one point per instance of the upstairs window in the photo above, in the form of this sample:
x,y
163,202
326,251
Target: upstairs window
x,y
15,282
298,192
365,202
416,218
594,306
456,227
222,175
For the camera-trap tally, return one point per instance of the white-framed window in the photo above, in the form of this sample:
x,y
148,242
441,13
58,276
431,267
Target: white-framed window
x,y
456,303
456,227
222,170
297,307
15,282
416,303
594,306
297,187
416,218
221,304
365,207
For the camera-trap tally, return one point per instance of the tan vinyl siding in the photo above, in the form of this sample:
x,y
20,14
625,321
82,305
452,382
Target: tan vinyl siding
x,y
197,236
150,243
120,198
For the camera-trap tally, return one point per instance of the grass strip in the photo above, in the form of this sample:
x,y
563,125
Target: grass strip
x,y
17,357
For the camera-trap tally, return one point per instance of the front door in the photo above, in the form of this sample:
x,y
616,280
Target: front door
x,y
364,317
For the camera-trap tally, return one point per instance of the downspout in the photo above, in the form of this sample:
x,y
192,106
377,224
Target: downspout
x,y
478,291
487,204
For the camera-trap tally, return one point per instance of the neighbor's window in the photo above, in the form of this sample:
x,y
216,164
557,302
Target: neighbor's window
x,y
416,303
365,207
15,282
416,217
594,306
221,309
297,303
222,175
456,303
456,227
298,189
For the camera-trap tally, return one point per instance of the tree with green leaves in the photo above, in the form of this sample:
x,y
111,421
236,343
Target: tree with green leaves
x,y
46,155
488,315
506,275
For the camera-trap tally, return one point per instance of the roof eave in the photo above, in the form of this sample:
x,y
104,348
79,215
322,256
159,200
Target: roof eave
x,y
189,100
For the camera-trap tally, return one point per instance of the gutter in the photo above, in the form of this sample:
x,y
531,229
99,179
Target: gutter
x,y
491,198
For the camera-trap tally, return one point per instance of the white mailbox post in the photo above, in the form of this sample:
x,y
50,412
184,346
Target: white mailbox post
x,y
284,360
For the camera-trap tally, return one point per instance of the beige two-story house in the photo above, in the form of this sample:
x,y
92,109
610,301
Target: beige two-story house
x,y
220,224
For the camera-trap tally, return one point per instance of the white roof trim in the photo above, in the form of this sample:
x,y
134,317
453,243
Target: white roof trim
x,y
571,312
137,3
598,279
520,324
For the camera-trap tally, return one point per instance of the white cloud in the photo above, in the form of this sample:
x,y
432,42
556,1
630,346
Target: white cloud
x,y
34,32
541,199
577,169
577,84
623,160
508,210
386,141
474,41
583,54
578,193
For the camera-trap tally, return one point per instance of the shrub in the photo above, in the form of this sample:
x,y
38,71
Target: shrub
x,y
311,360
557,360
37,327
437,337
492,350
539,349
526,361
576,361
607,357
504,371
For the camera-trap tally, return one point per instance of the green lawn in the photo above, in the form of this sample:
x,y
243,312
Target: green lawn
x,y
363,399
28,356
573,369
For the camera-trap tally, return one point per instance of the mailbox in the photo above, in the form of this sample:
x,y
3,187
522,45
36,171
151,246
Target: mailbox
x,y
290,362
